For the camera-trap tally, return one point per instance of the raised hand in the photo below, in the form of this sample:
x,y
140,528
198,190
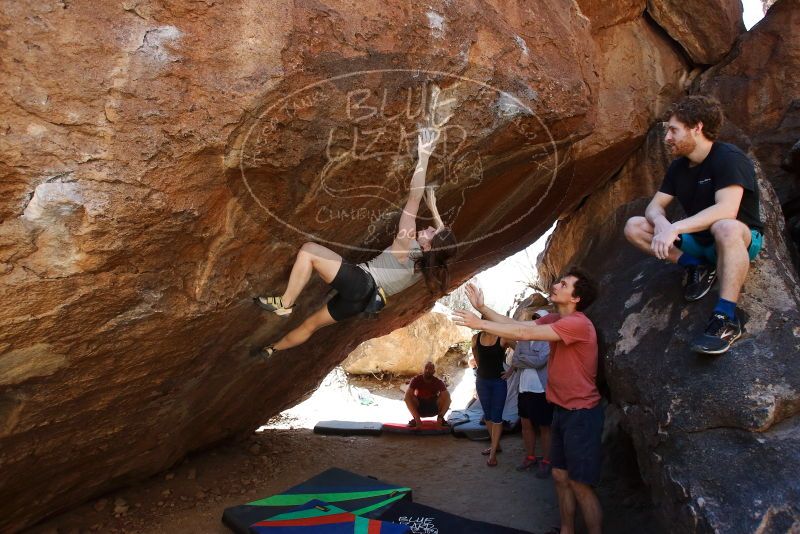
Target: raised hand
x,y
466,318
475,296
426,141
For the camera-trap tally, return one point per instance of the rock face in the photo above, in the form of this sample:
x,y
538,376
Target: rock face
x,y
639,178
705,30
759,86
714,436
405,351
161,163
604,14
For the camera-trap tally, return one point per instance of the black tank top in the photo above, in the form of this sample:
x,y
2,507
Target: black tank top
x,y
490,359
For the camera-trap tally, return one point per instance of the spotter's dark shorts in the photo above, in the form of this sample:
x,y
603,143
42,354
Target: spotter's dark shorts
x,y
534,406
575,442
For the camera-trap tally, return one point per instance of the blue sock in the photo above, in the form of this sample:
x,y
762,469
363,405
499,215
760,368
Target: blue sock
x,y
726,307
687,260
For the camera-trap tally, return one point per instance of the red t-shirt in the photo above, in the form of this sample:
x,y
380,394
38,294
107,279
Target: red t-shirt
x,y
425,389
572,368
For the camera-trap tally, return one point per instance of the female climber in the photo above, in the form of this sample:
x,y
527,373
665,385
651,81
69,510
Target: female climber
x,y
367,285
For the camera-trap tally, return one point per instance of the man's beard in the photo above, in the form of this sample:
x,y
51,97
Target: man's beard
x,y
683,148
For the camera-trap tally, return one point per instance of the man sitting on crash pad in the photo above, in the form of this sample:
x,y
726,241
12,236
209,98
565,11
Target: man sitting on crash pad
x,y
427,396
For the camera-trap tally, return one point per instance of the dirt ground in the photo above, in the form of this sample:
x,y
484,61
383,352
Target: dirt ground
x,y
443,471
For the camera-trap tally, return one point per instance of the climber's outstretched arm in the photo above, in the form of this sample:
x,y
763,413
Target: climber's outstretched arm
x,y
430,200
407,229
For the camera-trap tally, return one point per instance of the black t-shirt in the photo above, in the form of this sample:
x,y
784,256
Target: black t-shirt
x,y
696,186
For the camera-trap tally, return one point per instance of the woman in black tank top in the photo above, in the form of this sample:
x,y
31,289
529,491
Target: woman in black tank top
x,y
490,359
490,354
356,288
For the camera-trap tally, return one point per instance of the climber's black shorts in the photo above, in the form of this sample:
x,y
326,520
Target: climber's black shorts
x,y
354,288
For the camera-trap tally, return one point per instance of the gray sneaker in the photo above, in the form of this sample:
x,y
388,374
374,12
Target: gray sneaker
x,y
544,469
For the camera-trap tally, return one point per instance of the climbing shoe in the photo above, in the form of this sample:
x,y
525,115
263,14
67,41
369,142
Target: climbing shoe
x,y
699,279
274,305
267,352
719,335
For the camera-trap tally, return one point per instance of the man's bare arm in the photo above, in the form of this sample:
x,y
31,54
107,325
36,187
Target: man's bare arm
x,y
519,330
656,211
475,296
491,315
726,206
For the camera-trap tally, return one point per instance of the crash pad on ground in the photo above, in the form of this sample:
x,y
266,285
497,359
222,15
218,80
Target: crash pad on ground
x,y
349,428
354,493
426,519
318,517
428,428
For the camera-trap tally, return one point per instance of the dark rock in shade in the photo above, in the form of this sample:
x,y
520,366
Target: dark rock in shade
x,y
791,162
763,391
758,84
717,438
690,416
639,177
729,481
791,208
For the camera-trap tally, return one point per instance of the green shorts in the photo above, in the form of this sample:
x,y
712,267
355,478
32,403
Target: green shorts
x,y
689,244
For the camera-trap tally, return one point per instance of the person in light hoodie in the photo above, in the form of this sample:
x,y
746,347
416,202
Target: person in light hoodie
x,y
535,413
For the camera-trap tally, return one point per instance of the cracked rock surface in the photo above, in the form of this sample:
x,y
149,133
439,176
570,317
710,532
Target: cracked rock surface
x,y
717,438
162,162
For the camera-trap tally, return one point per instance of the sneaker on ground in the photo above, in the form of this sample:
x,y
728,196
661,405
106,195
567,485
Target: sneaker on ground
x,y
273,304
544,469
699,280
719,335
527,463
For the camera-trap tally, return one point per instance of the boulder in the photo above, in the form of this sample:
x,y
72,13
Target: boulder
x,y
713,435
405,351
161,164
604,14
705,30
639,178
758,84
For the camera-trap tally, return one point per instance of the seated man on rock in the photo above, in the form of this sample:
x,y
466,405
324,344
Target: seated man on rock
x,y
427,396
715,183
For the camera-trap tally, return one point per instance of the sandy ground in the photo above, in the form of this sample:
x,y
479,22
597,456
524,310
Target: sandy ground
x,y
443,471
